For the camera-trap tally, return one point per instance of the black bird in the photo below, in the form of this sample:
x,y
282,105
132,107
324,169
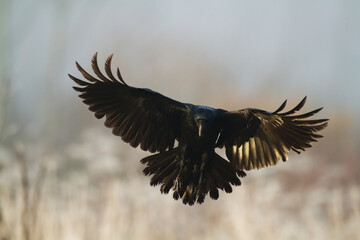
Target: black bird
x,y
252,138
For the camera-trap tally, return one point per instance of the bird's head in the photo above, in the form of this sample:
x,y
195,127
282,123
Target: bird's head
x,y
203,117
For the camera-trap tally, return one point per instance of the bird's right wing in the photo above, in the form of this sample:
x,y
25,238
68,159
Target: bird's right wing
x,y
255,138
140,116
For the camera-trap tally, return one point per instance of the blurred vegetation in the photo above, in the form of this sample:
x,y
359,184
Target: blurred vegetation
x,y
64,176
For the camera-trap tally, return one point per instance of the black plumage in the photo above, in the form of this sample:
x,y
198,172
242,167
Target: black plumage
x,y
252,138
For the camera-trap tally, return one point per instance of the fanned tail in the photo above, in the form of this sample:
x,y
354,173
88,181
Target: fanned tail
x,y
188,178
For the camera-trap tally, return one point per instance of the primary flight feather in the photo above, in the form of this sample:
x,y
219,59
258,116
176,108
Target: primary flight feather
x,y
252,138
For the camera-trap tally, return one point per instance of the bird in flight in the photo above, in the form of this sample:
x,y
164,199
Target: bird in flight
x,y
252,138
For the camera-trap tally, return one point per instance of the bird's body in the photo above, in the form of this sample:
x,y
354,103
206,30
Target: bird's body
x,y
194,165
252,138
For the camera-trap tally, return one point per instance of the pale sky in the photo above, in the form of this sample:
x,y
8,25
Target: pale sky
x,y
274,49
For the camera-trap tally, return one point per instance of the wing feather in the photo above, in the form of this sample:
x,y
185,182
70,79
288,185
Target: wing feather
x,y
253,152
85,74
246,154
139,116
96,69
108,68
255,138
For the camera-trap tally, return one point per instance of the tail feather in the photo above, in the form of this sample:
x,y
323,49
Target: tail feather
x,y
159,176
211,185
227,172
168,182
189,178
214,193
158,162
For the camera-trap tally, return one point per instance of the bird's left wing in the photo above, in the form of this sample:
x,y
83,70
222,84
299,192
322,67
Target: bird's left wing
x,y
255,138
139,116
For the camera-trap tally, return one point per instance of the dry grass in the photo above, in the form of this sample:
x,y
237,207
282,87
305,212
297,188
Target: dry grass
x,y
115,202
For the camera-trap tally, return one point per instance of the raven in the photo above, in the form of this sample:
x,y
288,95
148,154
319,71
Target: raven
x,y
252,138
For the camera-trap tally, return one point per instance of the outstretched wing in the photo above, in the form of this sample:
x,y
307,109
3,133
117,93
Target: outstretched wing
x,y
140,116
255,138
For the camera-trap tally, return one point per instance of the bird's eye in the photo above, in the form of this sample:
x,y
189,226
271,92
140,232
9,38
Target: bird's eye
x,y
201,120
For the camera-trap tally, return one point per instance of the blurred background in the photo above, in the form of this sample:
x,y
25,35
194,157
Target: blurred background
x,y
63,175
